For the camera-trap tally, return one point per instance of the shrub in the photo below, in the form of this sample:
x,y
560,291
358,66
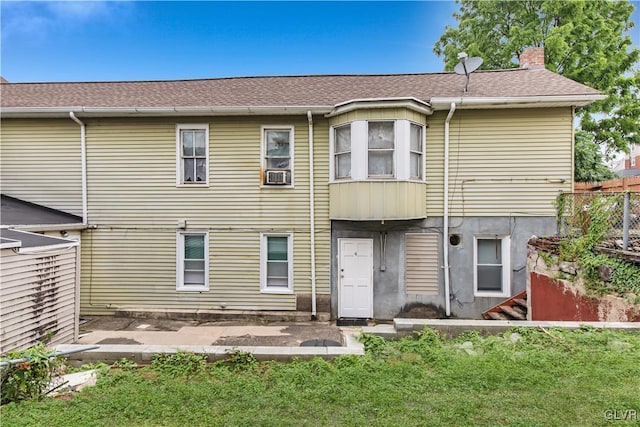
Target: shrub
x,y
29,379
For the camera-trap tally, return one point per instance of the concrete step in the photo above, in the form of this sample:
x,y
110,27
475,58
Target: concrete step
x,y
382,330
457,326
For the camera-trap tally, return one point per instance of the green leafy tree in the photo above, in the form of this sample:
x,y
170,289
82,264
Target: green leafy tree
x,y
589,162
585,40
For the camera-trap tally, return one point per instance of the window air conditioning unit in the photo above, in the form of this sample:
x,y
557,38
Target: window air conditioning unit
x,y
277,177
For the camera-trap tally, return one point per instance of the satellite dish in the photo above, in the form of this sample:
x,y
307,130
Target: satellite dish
x,y
467,66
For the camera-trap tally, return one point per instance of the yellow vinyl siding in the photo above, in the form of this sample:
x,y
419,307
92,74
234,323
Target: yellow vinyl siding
x,y
501,161
40,162
130,259
38,297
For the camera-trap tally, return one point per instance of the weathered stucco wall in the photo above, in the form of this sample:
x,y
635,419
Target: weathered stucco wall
x,y
390,297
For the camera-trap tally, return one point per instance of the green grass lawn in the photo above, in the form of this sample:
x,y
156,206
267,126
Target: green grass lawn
x,y
525,377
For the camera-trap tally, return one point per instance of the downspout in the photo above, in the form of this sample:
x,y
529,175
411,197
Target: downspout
x,y
312,220
445,230
83,156
83,166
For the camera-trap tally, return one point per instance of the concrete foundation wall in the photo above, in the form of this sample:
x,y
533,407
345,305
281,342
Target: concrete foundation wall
x,y
389,295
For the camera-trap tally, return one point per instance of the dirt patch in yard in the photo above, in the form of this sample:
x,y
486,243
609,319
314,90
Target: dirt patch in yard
x,y
291,335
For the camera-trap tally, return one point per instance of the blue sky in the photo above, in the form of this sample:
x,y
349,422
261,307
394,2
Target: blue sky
x,y
46,41
95,41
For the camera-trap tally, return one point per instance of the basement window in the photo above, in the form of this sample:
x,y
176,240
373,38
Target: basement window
x,y
492,271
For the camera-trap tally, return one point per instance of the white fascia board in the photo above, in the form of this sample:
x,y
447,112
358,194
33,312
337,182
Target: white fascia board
x,y
515,102
47,227
411,103
48,248
11,244
32,112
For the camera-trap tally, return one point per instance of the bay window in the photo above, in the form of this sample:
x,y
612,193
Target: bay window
x,y
377,150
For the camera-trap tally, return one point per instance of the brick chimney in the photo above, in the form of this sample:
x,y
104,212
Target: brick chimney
x,y
532,57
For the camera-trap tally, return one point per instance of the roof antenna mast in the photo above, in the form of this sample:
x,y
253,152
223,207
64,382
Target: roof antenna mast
x,y
467,66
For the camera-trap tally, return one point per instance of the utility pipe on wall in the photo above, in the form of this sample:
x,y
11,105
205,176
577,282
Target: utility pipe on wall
x,y
445,216
83,161
312,219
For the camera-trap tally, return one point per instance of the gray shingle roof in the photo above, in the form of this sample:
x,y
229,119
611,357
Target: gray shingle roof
x,y
30,240
16,212
318,90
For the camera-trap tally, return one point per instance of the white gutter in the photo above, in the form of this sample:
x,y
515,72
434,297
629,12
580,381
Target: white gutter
x,y
48,248
516,101
445,229
312,219
163,111
46,227
83,161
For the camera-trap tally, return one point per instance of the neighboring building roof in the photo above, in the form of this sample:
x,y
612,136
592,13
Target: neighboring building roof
x,y
282,91
24,240
16,212
625,173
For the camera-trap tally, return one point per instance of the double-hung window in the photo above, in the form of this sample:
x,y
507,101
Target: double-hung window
x,y
192,261
381,138
415,151
492,267
192,143
276,266
342,151
277,143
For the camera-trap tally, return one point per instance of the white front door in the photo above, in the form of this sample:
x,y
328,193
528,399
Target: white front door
x,y
355,278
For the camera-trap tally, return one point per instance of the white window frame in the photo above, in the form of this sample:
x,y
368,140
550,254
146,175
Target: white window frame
x,y
263,264
423,155
180,164
263,153
506,266
180,286
334,154
394,150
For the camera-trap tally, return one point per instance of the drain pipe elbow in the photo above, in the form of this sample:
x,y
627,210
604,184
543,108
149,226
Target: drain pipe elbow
x,y
83,162
312,221
445,215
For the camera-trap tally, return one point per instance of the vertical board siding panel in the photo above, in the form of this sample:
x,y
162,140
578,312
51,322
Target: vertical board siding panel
x,y
130,259
40,162
501,161
38,298
421,263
